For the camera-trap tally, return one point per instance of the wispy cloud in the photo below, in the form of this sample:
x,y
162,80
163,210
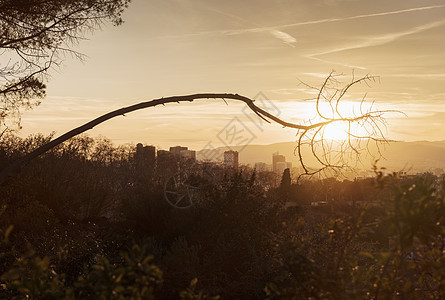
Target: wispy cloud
x,y
416,110
259,29
285,37
281,35
394,12
382,39
292,91
318,75
421,76
311,56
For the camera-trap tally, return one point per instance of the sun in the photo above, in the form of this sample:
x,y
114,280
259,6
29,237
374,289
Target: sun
x,y
341,130
336,131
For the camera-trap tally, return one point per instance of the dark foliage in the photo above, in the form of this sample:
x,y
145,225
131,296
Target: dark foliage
x,y
84,220
34,36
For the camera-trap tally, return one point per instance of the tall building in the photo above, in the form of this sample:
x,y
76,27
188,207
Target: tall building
x,y
289,165
144,161
283,165
145,156
276,158
166,162
231,159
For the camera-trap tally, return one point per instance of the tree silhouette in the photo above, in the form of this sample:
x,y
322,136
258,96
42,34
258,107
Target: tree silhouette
x,y
285,186
34,35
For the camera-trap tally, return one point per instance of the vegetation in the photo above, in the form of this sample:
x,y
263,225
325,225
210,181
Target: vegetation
x,y
84,221
35,37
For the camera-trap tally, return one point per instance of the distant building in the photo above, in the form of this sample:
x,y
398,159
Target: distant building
x,y
188,155
166,162
164,155
277,158
231,159
177,150
183,153
281,166
261,167
289,165
145,156
144,161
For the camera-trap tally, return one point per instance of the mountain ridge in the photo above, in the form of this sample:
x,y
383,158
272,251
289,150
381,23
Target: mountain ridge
x,y
415,156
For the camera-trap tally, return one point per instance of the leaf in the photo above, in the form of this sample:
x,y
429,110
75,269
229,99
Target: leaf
x,y
193,283
8,232
366,254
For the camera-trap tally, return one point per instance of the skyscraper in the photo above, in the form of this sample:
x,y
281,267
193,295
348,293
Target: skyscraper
x,y
145,156
144,160
276,158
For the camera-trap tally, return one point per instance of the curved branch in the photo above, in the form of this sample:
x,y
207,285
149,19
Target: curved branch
x,y
17,165
372,118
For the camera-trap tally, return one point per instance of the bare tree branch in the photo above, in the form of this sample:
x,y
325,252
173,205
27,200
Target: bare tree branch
x,y
360,130
302,133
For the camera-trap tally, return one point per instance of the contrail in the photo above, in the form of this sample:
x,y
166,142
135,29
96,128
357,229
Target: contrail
x,y
361,16
383,39
283,36
278,27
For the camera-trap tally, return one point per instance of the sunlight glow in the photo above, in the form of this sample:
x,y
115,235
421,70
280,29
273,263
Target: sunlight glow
x,y
336,131
339,130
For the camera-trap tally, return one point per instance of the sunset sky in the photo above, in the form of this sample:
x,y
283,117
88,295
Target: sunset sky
x,y
257,49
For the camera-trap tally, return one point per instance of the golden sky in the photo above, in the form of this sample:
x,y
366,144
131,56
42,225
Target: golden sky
x,y
256,49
